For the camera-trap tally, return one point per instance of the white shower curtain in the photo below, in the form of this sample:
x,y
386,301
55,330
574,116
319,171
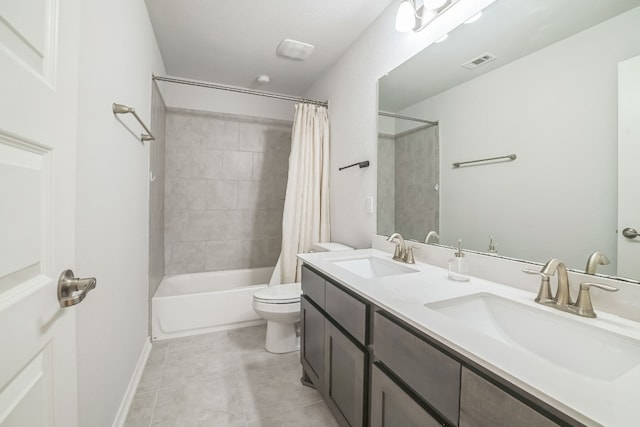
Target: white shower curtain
x,y
305,219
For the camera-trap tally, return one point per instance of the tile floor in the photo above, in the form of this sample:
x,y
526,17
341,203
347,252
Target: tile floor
x,y
224,379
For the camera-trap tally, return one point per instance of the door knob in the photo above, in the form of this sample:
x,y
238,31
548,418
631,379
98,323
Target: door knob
x,y
72,290
630,233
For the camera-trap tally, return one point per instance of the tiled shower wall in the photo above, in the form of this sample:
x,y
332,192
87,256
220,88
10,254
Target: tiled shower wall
x,y
226,178
156,190
386,185
408,171
417,168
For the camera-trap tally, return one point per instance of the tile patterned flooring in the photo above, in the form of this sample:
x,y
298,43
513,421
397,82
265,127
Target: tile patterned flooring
x,y
224,379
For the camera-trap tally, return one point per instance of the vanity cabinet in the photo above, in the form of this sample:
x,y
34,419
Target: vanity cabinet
x,y
333,352
344,375
482,404
391,406
374,369
433,376
312,343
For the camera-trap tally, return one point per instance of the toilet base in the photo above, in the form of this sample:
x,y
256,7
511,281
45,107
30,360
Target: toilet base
x,y
281,338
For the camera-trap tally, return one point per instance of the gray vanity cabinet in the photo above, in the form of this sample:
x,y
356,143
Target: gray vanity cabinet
x,y
431,374
312,343
373,368
332,353
482,404
392,407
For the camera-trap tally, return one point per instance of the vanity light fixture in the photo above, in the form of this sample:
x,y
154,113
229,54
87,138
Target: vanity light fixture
x,y
417,14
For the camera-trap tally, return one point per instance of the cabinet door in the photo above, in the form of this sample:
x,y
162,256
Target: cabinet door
x,y
484,405
312,342
392,407
344,365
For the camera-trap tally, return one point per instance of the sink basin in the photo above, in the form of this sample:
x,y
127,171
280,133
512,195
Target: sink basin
x,y
371,267
572,344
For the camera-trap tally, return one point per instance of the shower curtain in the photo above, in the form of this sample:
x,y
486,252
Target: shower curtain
x,y
305,219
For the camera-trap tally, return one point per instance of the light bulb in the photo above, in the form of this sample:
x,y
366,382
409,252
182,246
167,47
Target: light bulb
x,y
405,19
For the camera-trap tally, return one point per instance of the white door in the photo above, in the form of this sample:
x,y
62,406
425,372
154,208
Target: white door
x,y
38,97
629,167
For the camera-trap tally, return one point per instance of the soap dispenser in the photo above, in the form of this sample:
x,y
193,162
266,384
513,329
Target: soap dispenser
x,y
459,266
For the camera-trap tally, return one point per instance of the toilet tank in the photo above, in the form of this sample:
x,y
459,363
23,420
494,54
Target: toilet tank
x,y
329,247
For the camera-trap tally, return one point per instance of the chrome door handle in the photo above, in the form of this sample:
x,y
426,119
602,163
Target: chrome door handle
x,y
630,233
72,290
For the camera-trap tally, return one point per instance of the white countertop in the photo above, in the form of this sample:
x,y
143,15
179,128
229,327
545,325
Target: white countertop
x,y
590,401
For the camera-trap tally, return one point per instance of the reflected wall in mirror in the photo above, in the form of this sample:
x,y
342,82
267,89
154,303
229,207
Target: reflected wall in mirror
x,y
408,173
550,96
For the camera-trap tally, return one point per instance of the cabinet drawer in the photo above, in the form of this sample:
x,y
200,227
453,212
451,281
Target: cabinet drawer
x,y
313,286
392,407
347,311
482,404
430,373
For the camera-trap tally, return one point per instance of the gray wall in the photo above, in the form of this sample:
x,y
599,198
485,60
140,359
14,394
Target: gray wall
x,y
156,191
226,178
408,171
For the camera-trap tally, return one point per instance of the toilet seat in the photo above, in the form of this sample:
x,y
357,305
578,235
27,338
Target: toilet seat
x,y
279,294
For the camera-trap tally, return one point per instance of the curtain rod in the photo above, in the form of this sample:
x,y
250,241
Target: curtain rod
x,y
413,119
239,90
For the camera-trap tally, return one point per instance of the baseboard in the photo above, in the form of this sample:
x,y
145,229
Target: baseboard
x,y
123,411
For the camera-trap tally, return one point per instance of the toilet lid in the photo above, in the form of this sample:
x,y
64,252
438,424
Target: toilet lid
x,y
280,294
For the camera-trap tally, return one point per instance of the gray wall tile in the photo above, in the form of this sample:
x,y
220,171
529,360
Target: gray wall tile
x,y
221,194
185,257
223,134
206,163
176,225
237,165
226,178
183,193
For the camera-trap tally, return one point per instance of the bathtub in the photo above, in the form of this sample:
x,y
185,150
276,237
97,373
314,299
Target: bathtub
x,y
188,304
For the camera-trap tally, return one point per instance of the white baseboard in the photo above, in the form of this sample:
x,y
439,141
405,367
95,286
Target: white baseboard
x,y
123,411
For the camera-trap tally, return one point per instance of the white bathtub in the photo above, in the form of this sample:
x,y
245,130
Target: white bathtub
x,y
188,304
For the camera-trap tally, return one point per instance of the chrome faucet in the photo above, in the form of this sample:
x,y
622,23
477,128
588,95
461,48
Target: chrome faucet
x,y
595,259
562,300
402,252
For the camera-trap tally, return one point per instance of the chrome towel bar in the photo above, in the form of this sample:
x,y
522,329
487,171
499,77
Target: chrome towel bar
x,y
508,157
123,109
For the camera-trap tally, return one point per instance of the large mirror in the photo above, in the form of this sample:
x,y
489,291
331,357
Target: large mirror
x,y
537,79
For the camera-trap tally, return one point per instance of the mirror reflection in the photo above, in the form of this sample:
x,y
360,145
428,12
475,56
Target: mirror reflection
x,y
534,78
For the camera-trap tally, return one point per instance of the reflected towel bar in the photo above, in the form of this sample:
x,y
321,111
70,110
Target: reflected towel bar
x,y
123,109
509,157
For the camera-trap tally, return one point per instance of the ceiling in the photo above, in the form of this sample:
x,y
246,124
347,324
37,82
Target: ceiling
x,y
232,42
508,29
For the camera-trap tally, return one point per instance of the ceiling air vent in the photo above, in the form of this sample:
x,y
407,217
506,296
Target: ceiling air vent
x,y
294,49
480,60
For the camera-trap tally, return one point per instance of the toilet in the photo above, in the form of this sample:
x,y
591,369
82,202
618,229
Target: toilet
x,y
279,305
